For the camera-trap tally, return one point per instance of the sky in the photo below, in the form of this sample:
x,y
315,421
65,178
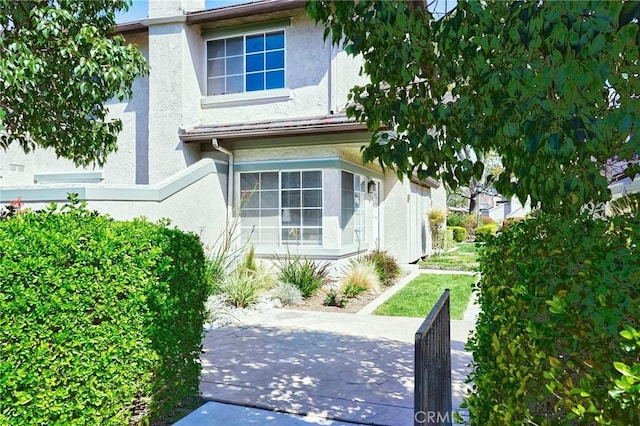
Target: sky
x,y
138,9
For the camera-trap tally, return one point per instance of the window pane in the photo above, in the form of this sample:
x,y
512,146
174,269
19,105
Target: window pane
x,y
291,217
356,200
347,201
255,82
255,62
291,235
269,200
290,198
250,200
234,84
234,46
270,218
275,60
269,180
250,218
215,68
347,181
312,198
234,65
215,49
312,179
312,217
255,43
269,236
290,180
248,181
312,236
275,80
215,86
275,40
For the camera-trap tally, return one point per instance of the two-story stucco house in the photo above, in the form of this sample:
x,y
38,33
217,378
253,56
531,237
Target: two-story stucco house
x,y
242,114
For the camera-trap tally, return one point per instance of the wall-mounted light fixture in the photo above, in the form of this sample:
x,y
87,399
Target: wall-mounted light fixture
x,y
371,186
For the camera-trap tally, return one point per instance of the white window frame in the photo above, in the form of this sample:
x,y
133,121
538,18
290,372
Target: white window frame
x,y
244,32
252,199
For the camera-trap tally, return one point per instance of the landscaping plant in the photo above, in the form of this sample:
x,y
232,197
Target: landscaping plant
x,y
287,293
386,266
100,321
303,272
557,340
484,232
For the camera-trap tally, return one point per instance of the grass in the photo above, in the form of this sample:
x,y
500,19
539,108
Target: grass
x,y
418,297
463,258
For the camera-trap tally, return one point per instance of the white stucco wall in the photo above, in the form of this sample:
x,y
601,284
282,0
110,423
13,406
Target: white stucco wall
x,y
194,200
317,80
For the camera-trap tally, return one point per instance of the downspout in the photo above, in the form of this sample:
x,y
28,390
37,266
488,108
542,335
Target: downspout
x,y
230,178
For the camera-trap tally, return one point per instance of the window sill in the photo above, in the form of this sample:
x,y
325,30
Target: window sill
x,y
246,98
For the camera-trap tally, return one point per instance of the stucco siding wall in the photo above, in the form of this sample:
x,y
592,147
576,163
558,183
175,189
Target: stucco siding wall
x,y
395,211
195,204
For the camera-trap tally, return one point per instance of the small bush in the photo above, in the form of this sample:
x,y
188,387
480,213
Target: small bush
x,y
506,223
486,220
351,290
287,293
334,299
100,321
459,233
386,266
448,242
467,221
241,289
361,273
557,336
304,273
484,232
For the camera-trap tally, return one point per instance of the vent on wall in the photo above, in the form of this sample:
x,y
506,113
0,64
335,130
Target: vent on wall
x,y
16,168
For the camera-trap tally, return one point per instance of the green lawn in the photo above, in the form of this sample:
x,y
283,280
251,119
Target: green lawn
x,y
418,297
463,258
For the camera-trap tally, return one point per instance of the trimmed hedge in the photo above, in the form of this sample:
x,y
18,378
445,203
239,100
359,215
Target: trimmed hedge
x,y
459,233
557,340
100,321
484,232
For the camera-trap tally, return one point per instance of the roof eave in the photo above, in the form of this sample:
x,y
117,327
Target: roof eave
x,y
243,10
187,136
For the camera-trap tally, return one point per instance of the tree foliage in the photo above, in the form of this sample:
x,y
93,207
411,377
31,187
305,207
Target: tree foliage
x,y
552,87
60,64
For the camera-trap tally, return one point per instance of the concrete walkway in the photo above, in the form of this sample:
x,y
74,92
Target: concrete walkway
x,y
290,367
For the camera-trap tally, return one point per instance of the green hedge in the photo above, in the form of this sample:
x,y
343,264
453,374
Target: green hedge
x,y
557,341
100,321
459,233
484,232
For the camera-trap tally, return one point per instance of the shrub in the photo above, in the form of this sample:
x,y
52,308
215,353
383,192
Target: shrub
x,y
506,223
241,289
459,233
486,220
304,273
449,242
386,266
556,338
484,232
467,221
287,293
334,299
362,275
100,321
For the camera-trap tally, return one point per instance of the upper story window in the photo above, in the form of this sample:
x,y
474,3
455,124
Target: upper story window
x,y
246,63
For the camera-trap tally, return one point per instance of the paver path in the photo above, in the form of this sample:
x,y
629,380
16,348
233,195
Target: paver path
x,y
338,366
